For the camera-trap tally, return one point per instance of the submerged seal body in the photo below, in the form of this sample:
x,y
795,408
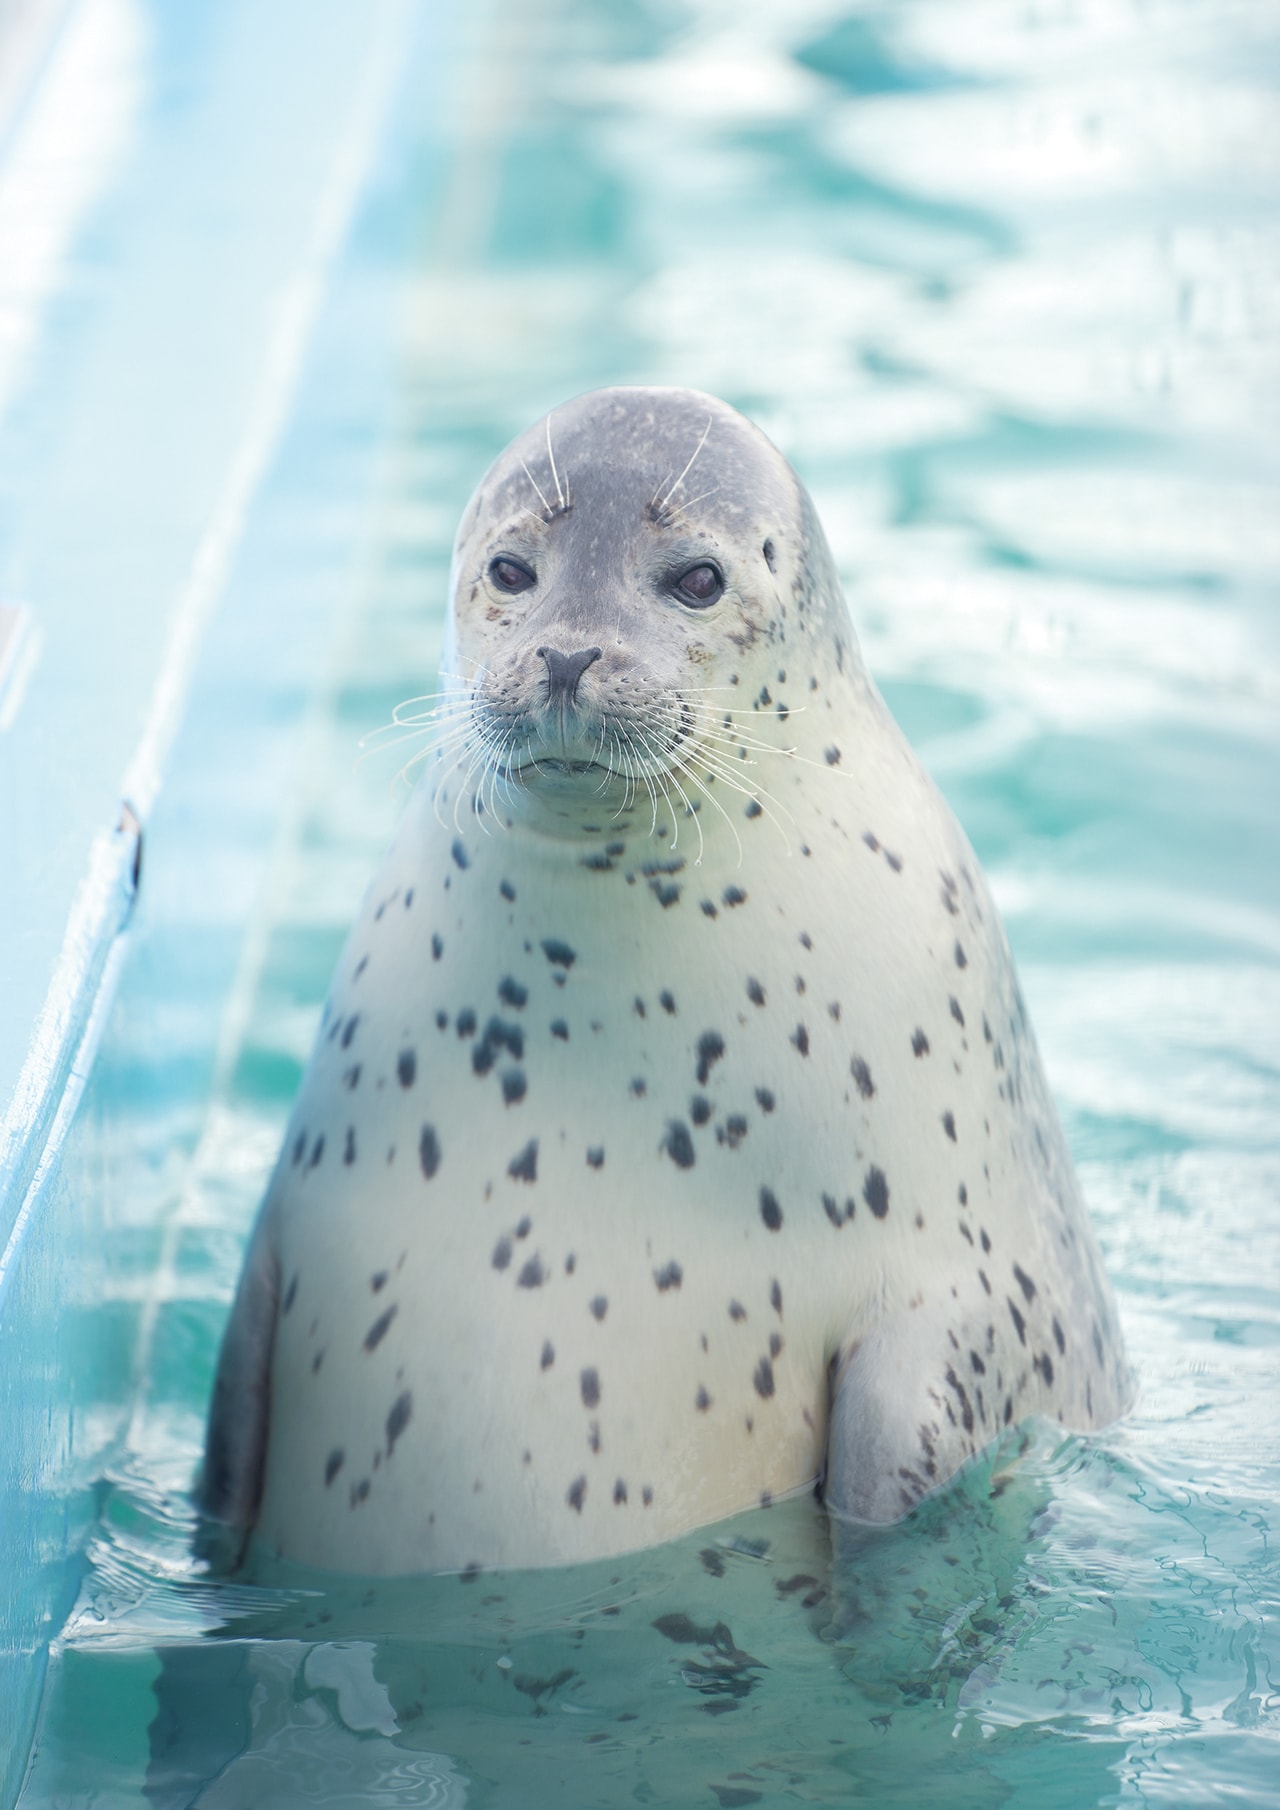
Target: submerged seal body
x,y
675,1136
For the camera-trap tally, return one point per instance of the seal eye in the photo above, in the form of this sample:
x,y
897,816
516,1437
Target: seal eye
x,y
701,586
510,574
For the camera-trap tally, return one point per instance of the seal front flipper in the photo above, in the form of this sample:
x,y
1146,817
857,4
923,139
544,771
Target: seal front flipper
x,y
230,1486
908,1409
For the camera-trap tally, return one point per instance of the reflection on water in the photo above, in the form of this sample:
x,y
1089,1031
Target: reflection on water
x,y
1004,283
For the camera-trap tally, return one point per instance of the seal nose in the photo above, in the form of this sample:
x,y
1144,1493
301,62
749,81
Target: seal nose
x,y
564,671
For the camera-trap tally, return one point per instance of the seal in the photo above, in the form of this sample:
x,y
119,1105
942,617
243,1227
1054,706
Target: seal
x,y
675,1136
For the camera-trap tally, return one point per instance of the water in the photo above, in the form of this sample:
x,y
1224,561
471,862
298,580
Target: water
x,y
1005,283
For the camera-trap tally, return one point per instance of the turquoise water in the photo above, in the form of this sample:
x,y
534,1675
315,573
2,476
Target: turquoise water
x,y
1005,284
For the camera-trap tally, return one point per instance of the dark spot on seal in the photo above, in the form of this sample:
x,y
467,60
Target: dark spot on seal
x,y
862,1076
1044,1364
754,809
764,1099
667,1002
956,1013
514,1086
560,1029
678,1144
559,954
1025,1283
501,1254
589,1382
666,892
949,1125
499,1035
962,1396
708,909
599,1306
962,960
800,1038
378,1281
577,1494
429,1151
875,1191
299,1148
508,892
548,1355
317,1152
1059,1337
398,1419
532,1274
831,1207
459,853
512,994
524,1167
733,895
669,1276
735,1129
770,1211
378,1331
976,1364
524,1227
407,1067
349,1030
699,1109
619,1493
290,1294
351,1076
770,557
466,1025
831,755
737,1311
919,1043
333,1464
755,992
710,1050
437,947
762,1377
775,1296
711,1561
1018,1321
595,1156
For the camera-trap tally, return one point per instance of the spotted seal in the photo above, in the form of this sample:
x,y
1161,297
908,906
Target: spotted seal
x,y
675,1136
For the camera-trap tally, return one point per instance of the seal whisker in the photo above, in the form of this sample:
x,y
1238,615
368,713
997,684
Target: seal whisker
x,y
547,509
702,785
551,459
689,466
668,776
756,793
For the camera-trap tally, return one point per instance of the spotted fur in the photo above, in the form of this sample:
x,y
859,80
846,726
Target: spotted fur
x,y
679,997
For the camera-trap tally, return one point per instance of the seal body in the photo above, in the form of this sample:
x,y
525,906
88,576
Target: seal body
x,y
675,1136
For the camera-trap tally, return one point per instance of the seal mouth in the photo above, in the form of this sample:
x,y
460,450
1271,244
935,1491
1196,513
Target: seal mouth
x,y
559,767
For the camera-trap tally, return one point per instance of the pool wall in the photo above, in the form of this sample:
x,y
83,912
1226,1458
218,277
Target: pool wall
x,y
202,230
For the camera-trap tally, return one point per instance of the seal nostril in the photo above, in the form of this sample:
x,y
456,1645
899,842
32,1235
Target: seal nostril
x,y
565,670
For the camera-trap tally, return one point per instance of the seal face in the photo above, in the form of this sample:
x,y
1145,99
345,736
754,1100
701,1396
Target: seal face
x,y
675,1136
